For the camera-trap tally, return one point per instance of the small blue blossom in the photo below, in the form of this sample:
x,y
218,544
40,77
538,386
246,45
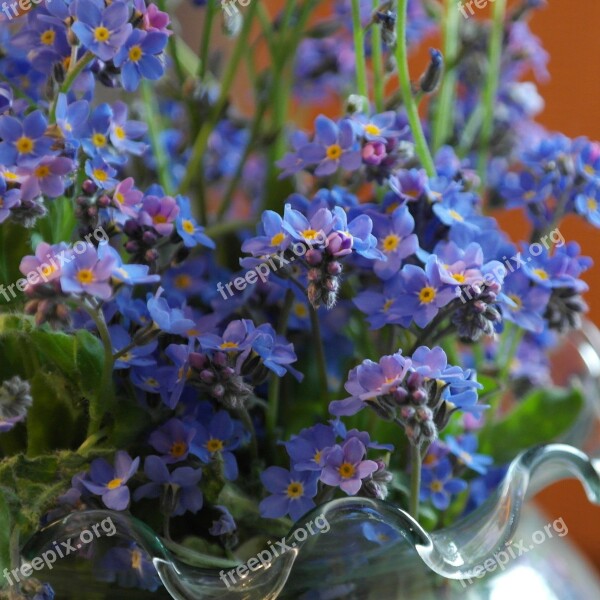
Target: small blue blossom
x,y
292,492
438,485
464,448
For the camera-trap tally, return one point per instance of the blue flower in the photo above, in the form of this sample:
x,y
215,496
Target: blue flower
x,y
438,485
72,118
217,440
137,58
127,274
292,492
588,203
88,273
96,141
464,449
380,533
172,440
138,356
224,525
334,146
377,128
524,302
425,292
8,199
188,229
273,236
128,566
183,482
123,133
306,448
588,162
111,482
102,30
24,143
384,307
167,319
102,174
396,240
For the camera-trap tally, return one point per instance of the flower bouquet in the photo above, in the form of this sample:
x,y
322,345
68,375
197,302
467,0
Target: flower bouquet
x,y
222,309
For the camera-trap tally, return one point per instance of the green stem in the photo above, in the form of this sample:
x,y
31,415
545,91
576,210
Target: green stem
x,y
154,120
319,351
209,16
106,382
250,147
415,482
70,77
193,171
92,440
226,227
275,383
173,47
378,72
359,47
443,120
491,86
412,112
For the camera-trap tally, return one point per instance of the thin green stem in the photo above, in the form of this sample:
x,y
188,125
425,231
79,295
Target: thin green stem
x,y
443,119
173,47
106,381
70,77
491,87
155,127
415,482
209,16
412,112
194,171
378,72
319,350
226,227
275,383
359,47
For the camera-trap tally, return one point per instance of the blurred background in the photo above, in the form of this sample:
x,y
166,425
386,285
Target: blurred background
x,y
569,33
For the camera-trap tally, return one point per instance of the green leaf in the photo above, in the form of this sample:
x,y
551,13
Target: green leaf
x,y
51,418
539,418
6,525
57,348
89,360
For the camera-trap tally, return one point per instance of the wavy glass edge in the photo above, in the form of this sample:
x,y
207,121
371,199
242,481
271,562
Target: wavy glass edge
x,y
453,552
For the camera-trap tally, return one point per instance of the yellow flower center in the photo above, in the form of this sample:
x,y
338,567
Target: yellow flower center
x,y
516,300
10,176
388,305
120,132
458,277
159,219
48,270
427,295
183,281
277,239
456,216
136,559
310,234
178,449
589,170
135,53
42,171
85,276
188,226
542,274
300,310
114,484
100,174
214,445
592,204
119,197
227,345
101,34
295,489
436,486
152,382
372,129
317,456
392,207
126,357
391,242
346,470
334,151
99,140
47,38
25,145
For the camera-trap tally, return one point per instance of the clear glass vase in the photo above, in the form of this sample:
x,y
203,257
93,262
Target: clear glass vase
x,y
372,549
